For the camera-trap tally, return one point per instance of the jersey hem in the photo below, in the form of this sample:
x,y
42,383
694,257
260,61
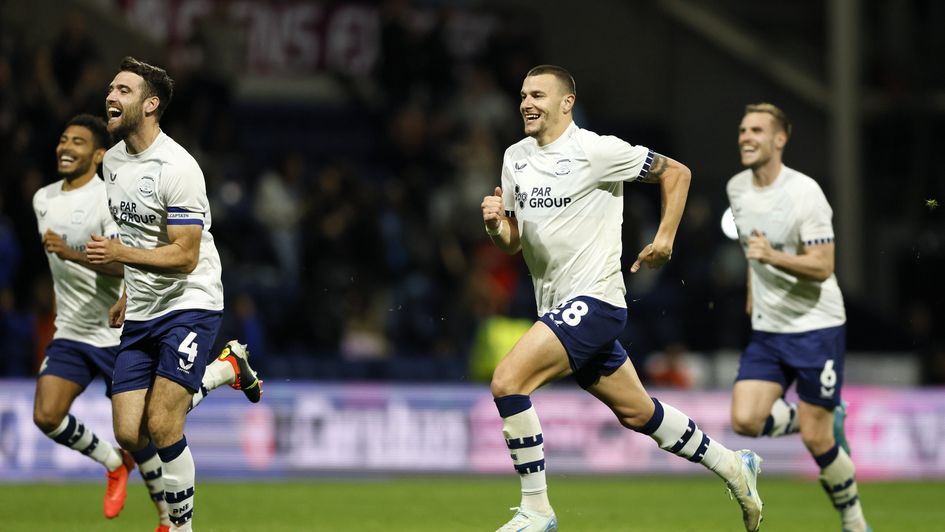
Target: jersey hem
x,y
145,317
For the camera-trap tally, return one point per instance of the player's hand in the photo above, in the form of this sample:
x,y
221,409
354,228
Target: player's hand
x,y
101,250
653,255
116,314
492,210
54,243
758,247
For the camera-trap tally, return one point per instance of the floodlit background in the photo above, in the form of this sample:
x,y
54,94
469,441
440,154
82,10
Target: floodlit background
x,y
347,145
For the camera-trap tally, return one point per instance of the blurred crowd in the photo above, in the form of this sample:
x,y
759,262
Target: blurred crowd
x,y
350,233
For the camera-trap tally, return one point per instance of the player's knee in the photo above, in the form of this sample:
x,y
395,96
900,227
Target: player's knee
x,y
129,437
47,420
634,420
501,387
817,442
164,431
746,424
504,383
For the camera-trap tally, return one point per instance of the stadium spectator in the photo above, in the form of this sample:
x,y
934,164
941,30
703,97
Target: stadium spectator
x,y
279,208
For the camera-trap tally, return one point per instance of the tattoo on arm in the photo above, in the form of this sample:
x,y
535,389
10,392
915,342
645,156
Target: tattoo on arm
x,y
657,168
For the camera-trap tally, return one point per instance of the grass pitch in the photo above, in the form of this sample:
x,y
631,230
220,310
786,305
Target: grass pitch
x,y
644,504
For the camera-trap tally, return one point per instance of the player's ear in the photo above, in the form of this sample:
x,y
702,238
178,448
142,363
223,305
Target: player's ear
x,y
151,104
567,103
98,155
780,139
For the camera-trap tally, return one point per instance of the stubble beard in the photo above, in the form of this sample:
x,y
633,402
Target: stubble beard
x,y
77,173
130,121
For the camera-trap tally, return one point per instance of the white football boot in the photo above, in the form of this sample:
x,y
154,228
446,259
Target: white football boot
x,y
529,521
744,488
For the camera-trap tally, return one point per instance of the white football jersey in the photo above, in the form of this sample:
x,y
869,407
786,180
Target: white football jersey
x,y
567,199
792,212
148,191
83,296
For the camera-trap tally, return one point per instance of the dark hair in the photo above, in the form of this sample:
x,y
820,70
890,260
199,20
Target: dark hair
x,y
780,117
103,139
564,77
156,81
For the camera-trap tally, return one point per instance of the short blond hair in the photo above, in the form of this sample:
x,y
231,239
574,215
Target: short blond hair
x,y
780,117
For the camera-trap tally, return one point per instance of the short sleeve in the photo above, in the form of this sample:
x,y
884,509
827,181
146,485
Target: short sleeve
x,y
816,223
39,210
617,160
508,188
185,195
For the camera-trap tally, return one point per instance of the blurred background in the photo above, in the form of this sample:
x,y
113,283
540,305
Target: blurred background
x,y
347,146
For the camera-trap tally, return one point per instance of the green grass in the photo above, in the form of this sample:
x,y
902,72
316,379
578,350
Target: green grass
x,y
472,503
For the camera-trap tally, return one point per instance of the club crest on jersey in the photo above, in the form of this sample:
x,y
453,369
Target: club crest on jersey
x,y
563,167
78,216
146,185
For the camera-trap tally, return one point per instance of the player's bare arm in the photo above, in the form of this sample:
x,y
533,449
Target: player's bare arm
x,y
673,178
502,229
813,262
748,293
116,314
179,256
54,243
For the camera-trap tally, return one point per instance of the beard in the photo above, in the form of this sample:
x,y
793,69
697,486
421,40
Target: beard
x,y
80,170
758,163
130,121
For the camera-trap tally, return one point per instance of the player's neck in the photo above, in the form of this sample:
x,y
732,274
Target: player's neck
x,y
78,182
142,138
552,135
765,175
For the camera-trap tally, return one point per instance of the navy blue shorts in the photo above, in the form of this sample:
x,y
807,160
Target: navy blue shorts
x,y
175,346
588,328
80,362
813,358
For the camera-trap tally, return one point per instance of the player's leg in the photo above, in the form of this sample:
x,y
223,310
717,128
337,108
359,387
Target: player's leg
x,y
231,367
68,368
758,407
837,471
149,465
819,357
184,344
537,358
675,432
128,425
166,412
131,381
54,397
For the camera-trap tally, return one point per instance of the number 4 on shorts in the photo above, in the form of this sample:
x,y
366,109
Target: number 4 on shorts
x,y
189,348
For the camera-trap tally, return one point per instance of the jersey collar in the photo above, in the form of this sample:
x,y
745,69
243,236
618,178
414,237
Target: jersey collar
x,y
565,136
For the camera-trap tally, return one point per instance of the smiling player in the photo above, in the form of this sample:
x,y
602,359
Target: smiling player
x,y
561,204
797,313
88,332
173,303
